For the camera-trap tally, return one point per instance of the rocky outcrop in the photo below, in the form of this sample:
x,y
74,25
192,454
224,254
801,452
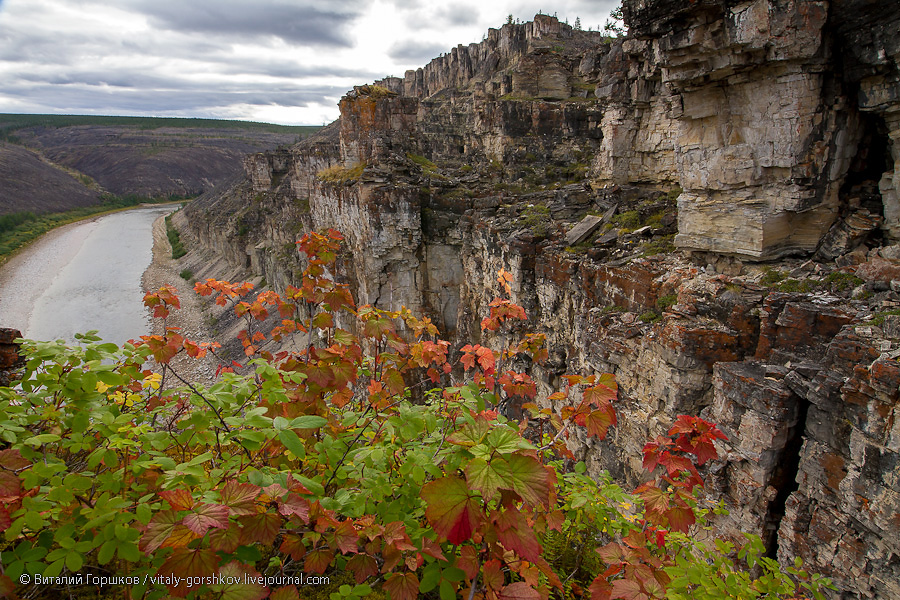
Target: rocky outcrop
x,y
10,360
738,132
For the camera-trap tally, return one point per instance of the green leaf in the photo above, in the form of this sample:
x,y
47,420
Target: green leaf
x,y
292,442
505,440
308,422
106,552
530,479
471,434
489,477
453,511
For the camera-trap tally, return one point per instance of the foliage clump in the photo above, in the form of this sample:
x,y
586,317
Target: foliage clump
x,y
536,217
341,175
317,463
174,237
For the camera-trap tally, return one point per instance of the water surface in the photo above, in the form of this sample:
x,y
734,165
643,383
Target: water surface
x,y
84,276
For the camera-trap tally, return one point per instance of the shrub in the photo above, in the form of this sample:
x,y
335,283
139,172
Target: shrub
x,y
628,220
536,217
667,301
319,463
174,237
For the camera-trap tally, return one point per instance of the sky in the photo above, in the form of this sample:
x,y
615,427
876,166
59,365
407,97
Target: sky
x,y
277,61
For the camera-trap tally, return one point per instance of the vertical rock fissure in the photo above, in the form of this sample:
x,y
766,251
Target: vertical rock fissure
x,y
785,478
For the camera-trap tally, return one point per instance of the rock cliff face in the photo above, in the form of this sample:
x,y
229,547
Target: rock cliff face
x,y
632,187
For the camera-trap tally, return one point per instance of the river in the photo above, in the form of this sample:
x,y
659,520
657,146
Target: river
x,y
82,276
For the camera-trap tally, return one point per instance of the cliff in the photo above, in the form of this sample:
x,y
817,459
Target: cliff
x,y
707,208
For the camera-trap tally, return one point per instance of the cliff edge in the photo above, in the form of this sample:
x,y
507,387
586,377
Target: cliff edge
x,y
707,208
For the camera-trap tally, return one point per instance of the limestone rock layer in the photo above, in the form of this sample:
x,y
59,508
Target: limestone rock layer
x,y
632,187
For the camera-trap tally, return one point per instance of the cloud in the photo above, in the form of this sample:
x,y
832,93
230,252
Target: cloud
x,y
81,96
416,51
300,23
460,16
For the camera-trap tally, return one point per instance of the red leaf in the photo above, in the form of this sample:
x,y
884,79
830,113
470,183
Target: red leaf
x,y
287,592
453,510
10,486
600,394
680,518
318,561
402,587
179,499
468,562
295,505
204,516
396,536
239,583
12,460
184,562
627,589
519,591
165,531
240,497
492,574
225,540
515,534
293,545
656,501
600,588
599,421
530,479
362,566
344,538
262,527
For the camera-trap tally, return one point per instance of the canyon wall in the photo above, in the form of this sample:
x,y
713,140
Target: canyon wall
x,y
635,189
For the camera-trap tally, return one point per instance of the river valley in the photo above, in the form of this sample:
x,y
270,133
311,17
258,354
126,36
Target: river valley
x,y
84,276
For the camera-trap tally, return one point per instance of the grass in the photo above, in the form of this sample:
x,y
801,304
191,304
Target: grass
x,y
536,218
878,319
341,175
628,220
666,302
660,245
651,316
174,239
838,281
186,274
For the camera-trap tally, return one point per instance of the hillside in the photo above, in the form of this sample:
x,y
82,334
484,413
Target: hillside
x,y
30,183
132,156
707,208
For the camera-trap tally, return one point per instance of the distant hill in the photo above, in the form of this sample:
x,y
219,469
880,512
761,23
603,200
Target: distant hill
x,y
28,183
141,156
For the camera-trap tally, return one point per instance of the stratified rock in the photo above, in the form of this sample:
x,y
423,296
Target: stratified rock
x,y
740,113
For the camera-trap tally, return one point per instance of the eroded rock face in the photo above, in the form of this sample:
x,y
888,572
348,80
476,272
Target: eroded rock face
x,y
773,139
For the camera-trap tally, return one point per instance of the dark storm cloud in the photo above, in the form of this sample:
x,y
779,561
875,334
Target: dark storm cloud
x,y
416,52
302,23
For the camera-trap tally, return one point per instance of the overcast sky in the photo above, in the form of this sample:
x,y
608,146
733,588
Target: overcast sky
x,y
281,61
